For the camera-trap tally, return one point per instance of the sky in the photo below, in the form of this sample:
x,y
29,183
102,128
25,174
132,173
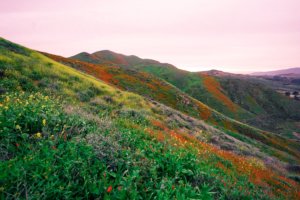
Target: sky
x,y
196,35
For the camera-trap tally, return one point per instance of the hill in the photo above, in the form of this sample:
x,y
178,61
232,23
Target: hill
x,y
166,72
112,58
66,134
157,89
247,99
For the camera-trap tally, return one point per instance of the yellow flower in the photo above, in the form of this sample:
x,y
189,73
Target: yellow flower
x,y
1,104
7,98
44,122
38,135
18,127
52,137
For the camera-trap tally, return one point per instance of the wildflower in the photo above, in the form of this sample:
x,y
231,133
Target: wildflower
x,y
109,189
52,137
7,98
18,127
44,122
17,144
38,135
1,104
6,107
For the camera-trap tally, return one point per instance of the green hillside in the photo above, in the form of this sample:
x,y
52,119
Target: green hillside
x,y
243,98
157,89
66,134
188,82
273,111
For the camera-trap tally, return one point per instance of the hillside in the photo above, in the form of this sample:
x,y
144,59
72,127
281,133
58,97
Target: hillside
x,y
66,134
138,82
256,103
165,71
274,111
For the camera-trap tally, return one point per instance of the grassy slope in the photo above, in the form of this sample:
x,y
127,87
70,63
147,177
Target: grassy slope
x,y
86,139
258,105
190,83
263,106
122,77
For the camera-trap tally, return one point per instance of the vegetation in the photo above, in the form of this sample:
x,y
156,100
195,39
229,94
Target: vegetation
x,y
157,89
247,99
65,135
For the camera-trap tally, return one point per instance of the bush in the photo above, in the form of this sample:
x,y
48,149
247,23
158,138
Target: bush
x,y
87,94
134,115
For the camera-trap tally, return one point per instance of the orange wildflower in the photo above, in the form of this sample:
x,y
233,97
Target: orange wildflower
x,y
109,189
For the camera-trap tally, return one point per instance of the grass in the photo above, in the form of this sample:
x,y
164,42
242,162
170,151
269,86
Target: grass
x,y
105,143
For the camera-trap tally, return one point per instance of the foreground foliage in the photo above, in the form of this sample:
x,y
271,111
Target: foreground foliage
x,y
47,153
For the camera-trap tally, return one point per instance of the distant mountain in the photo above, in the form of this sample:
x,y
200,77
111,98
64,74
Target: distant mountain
x,y
285,72
219,73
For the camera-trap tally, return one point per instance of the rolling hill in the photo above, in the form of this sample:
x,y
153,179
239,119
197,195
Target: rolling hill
x,y
158,90
241,97
71,129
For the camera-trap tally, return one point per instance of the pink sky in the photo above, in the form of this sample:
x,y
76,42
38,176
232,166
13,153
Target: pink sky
x,y
229,35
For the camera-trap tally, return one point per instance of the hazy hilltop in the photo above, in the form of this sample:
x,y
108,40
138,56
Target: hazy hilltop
x,y
283,72
112,58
